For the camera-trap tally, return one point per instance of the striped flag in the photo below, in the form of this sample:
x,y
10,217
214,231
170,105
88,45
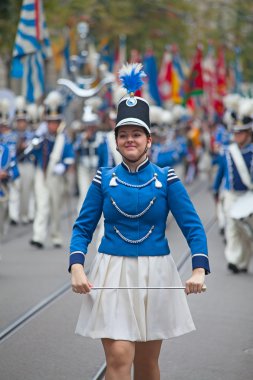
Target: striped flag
x,y
150,68
32,47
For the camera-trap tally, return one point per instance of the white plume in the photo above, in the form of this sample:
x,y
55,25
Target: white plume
x,y
20,103
231,101
53,100
33,112
118,93
167,117
155,114
178,112
245,107
5,105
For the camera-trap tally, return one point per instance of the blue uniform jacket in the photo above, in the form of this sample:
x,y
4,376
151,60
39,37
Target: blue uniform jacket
x,y
228,172
136,207
43,151
7,163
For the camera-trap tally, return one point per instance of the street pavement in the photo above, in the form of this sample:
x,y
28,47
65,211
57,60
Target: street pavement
x,y
46,348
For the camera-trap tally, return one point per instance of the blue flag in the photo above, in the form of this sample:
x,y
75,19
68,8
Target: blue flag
x,y
150,69
32,47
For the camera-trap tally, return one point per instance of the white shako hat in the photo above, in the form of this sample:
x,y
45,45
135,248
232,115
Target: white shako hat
x,y
53,106
89,118
132,110
244,121
21,108
33,113
5,111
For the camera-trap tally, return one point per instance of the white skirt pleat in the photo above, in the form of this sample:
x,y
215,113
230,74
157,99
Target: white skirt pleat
x,y
133,314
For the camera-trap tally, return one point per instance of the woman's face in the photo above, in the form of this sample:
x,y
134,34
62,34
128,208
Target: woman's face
x,y
132,141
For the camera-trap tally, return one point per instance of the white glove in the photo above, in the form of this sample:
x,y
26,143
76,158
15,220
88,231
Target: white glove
x,y
59,169
42,129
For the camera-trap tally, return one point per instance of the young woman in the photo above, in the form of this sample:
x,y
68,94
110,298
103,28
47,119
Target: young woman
x,y
135,198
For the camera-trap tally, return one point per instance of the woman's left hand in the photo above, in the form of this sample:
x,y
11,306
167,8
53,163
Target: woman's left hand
x,y
196,281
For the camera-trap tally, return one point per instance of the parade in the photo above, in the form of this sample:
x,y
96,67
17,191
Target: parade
x,y
126,189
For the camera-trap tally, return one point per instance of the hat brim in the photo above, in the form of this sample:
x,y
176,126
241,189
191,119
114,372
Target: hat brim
x,y
54,118
242,128
133,121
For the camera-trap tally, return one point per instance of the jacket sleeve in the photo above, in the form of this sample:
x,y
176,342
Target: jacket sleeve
x,y
190,224
86,224
220,174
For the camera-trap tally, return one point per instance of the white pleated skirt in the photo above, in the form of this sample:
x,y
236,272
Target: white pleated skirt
x,y
133,314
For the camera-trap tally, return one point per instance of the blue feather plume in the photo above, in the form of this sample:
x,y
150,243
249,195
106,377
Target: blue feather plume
x,y
131,76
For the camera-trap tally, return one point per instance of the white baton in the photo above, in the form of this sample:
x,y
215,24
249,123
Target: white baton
x,y
204,288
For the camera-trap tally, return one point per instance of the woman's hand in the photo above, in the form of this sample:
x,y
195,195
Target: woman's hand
x,y
196,281
79,280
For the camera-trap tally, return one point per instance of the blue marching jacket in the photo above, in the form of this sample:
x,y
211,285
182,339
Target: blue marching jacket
x,y
9,164
135,207
229,173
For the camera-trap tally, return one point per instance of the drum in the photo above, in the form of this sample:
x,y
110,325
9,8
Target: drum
x,y
242,211
243,207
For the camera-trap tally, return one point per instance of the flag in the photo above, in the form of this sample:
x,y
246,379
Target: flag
x,y
221,82
32,48
171,76
209,82
194,84
237,67
150,69
221,73
106,54
177,91
165,77
119,56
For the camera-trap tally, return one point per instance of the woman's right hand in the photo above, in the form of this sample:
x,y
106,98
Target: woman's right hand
x,y
79,281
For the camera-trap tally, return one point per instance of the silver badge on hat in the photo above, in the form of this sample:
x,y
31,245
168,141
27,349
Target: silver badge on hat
x,y
131,102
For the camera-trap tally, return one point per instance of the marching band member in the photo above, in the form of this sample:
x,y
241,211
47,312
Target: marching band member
x,y
114,158
8,173
238,247
33,119
221,138
135,198
9,137
53,156
26,166
91,151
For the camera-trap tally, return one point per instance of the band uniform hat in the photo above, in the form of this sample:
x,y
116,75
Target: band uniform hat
x,y
5,112
20,108
244,120
53,106
132,110
243,125
89,118
33,113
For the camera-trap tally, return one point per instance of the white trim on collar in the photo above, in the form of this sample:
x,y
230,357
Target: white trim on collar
x,y
138,167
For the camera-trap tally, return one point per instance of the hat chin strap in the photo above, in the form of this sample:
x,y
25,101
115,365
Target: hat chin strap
x,y
133,161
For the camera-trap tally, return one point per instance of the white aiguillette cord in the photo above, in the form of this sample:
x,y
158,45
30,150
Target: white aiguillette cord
x,y
204,288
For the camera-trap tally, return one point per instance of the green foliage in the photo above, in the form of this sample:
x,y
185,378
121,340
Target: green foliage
x,y
147,23
9,16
